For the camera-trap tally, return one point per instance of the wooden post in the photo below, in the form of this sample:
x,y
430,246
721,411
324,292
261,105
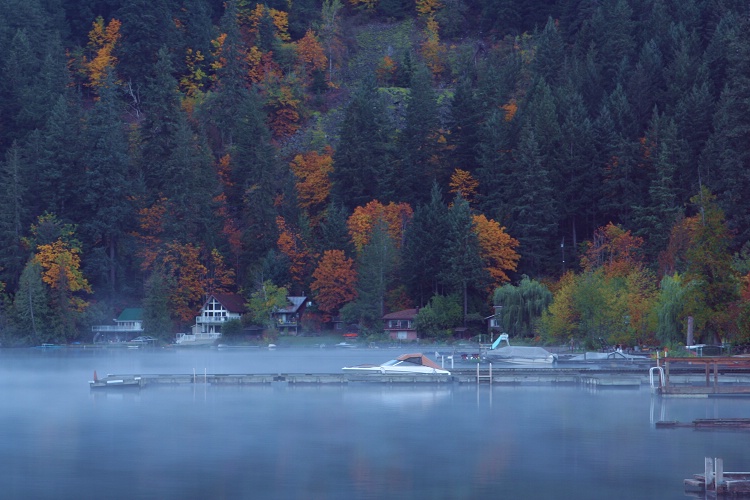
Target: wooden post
x,y
666,373
716,376
707,375
718,473
709,471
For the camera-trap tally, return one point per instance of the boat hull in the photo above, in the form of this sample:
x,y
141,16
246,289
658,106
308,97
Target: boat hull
x,y
395,370
198,339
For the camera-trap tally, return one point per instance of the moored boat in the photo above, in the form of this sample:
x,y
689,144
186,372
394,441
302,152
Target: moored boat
x,y
196,339
116,381
413,364
520,355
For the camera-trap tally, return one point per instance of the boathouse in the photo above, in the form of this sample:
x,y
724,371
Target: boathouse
x,y
127,325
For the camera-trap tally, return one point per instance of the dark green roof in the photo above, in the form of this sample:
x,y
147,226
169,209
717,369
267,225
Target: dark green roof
x,y
131,314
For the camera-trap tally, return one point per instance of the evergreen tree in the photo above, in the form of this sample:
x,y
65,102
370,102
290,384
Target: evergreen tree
x,y
655,219
161,107
254,177
363,155
464,124
462,266
12,215
577,182
534,214
727,157
417,144
57,168
156,318
376,267
333,232
106,187
147,25
30,307
549,57
422,250
220,108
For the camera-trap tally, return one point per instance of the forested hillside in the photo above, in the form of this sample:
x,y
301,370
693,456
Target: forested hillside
x,y
585,164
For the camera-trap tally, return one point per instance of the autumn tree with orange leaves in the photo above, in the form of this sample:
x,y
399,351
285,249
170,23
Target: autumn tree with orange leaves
x,y
613,248
102,42
292,245
464,184
190,271
48,300
312,171
496,248
364,219
334,282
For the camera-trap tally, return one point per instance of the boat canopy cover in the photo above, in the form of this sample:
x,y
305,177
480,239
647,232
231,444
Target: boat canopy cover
x,y
518,351
418,359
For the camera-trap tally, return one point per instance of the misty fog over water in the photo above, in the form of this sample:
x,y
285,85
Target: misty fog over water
x,y
59,439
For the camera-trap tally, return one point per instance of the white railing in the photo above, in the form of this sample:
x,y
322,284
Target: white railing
x,y
186,338
214,319
116,328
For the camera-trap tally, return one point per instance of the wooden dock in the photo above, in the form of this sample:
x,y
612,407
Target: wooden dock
x,y
719,483
601,379
707,423
733,380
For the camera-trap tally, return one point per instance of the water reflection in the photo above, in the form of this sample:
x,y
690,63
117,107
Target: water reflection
x,y
61,440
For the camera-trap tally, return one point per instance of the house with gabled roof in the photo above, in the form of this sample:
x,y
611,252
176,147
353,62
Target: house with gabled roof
x,y
217,310
400,325
288,319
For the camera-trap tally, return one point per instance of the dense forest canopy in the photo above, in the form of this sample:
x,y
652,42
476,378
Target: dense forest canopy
x,y
377,155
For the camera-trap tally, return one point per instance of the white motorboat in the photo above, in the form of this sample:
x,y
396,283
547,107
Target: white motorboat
x,y
417,363
196,339
520,355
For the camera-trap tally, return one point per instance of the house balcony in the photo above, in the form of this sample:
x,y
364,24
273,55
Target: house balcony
x,y
214,320
117,328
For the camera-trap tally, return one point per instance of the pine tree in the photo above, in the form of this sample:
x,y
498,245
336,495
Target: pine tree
x,y
30,307
106,187
156,318
534,213
12,216
363,155
417,143
376,267
422,251
462,266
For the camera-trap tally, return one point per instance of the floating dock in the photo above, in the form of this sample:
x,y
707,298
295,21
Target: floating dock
x,y
707,423
628,378
677,377
717,483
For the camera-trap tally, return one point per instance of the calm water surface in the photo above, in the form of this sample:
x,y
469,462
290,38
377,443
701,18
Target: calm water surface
x,y
59,440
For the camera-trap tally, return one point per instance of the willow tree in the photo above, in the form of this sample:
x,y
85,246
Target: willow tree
x,y
522,305
670,304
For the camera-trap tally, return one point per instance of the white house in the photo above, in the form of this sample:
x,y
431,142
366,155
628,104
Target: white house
x,y
217,310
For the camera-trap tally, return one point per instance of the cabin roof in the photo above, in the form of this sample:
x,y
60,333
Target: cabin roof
x,y
131,314
232,302
293,307
403,314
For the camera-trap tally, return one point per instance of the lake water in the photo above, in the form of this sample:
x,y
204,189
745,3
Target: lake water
x,y
59,440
